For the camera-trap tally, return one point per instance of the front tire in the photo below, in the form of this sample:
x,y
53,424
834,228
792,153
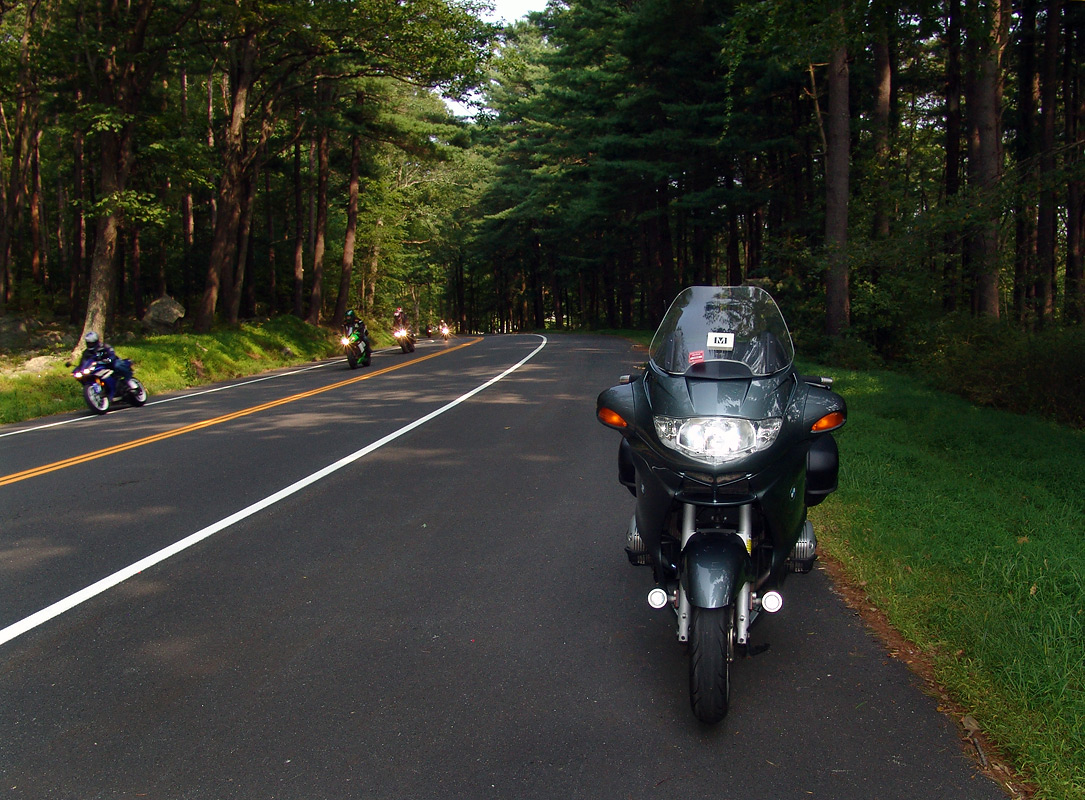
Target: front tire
x,y
97,398
352,358
711,651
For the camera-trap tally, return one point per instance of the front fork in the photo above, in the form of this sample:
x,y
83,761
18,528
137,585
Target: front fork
x,y
742,601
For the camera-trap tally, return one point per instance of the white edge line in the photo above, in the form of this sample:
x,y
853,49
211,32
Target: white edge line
x,y
71,601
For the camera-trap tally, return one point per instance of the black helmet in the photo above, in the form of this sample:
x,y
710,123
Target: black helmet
x,y
351,314
91,340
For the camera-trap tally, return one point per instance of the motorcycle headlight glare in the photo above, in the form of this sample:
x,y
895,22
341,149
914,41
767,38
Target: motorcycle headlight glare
x,y
345,341
717,440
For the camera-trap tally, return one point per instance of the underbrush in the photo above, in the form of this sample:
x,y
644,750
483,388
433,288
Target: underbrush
x,y
994,364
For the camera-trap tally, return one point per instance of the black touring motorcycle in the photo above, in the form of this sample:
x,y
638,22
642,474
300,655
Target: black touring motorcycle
x,y
725,447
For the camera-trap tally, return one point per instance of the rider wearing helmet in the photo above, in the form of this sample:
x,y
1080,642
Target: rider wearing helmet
x,y
352,322
399,319
100,351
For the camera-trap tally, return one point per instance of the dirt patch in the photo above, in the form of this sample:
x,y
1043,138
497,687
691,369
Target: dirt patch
x,y
976,745
31,345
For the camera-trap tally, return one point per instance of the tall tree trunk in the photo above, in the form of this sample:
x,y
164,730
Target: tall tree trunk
x,y
951,268
37,251
883,101
299,223
244,230
1046,264
985,103
1024,284
135,259
79,256
1074,93
342,301
231,186
316,298
122,90
188,220
837,168
24,130
272,249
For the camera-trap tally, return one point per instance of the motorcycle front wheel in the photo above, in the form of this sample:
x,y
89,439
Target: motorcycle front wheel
x,y
97,398
711,651
352,357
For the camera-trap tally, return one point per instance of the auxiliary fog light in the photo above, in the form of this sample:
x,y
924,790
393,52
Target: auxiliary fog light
x,y
772,601
657,598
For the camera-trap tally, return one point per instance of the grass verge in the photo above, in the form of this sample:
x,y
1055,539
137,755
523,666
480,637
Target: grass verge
x,y
170,362
964,525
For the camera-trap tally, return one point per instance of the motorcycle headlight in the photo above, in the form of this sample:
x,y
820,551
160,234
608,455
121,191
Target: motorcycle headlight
x,y
717,440
344,341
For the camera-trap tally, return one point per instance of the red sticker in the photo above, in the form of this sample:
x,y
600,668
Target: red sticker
x,y
696,357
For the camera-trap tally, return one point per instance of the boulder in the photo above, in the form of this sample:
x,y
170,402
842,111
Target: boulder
x,y
163,314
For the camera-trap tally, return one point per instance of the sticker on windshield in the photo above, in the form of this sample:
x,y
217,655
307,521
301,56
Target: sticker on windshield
x,y
696,357
721,341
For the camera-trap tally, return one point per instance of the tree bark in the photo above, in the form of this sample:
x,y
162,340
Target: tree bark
x,y
985,102
342,301
316,298
1025,208
883,101
951,268
299,223
231,187
1046,265
1074,93
837,167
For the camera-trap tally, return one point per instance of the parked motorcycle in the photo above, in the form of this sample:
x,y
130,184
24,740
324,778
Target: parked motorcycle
x,y
357,348
405,339
725,448
102,385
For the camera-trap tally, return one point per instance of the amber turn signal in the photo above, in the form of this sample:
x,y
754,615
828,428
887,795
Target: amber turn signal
x,y
829,422
612,418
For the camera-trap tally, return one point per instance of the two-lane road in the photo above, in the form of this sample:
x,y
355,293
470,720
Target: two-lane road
x,y
405,581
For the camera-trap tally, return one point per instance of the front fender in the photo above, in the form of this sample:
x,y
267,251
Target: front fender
x,y
713,568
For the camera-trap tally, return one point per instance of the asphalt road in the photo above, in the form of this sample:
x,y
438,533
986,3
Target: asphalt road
x,y
359,608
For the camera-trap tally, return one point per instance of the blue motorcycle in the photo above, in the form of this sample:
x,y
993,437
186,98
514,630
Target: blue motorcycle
x,y
102,385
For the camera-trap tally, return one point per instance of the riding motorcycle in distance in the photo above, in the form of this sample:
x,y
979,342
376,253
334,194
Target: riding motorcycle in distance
x,y
405,339
102,386
725,446
446,333
357,348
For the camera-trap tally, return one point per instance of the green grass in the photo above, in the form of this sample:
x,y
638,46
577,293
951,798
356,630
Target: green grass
x,y
170,362
967,527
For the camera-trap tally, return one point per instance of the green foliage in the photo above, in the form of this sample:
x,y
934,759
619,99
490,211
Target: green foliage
x,y
964,524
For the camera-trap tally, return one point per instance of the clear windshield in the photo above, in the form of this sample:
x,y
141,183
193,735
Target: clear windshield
x,y
723,323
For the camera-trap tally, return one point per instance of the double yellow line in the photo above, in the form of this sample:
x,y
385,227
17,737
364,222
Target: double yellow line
x,y
15,477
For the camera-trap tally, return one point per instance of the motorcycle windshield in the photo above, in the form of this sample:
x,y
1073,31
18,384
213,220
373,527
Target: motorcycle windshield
x,y
740,328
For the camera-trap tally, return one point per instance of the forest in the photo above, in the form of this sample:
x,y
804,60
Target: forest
x,y
894,171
